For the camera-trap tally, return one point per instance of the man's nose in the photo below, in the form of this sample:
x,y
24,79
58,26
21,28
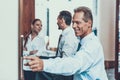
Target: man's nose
x,y
73,25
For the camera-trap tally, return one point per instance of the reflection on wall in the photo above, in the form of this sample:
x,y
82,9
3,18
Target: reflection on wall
x,y
53,7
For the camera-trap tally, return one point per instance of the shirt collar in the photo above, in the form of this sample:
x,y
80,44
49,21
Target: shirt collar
x,y
66,30
30,36
89,36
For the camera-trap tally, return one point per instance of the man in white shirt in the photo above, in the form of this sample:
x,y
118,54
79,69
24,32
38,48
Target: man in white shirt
x,y
87,63
68,42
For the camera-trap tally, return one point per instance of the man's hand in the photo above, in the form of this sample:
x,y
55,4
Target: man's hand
x,y
36,64
24,48
33,52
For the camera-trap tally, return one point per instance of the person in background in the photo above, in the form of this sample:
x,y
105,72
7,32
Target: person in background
x,y
87,63
68,42
34,45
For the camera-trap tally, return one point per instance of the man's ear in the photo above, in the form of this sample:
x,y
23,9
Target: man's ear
x,y
63,20
89,23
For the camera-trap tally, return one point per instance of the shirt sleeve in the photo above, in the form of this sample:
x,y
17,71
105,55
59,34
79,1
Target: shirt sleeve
x,y
56,66
81,62
26,53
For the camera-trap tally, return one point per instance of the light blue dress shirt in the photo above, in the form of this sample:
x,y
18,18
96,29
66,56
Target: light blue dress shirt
x,y
86,64
68,43
38,43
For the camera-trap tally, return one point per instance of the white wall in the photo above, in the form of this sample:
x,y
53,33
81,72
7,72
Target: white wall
x,y
106,21
55,6
8,39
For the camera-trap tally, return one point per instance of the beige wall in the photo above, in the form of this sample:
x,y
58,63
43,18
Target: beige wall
x,y
106,21
8,39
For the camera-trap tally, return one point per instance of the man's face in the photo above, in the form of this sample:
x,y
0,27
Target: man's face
x,y
59,22
80,27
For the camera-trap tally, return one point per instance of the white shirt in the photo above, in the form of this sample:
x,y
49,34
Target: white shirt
x,y
68,43
87,64
38,43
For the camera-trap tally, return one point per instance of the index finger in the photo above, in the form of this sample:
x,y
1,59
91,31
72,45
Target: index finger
x,y
29,57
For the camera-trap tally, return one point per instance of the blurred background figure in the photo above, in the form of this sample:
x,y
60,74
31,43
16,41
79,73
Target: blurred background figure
x,y
34,45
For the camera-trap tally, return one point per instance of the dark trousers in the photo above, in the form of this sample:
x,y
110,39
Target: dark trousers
x,y
50,76
29,75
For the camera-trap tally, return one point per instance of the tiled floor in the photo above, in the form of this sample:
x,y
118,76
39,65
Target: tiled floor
x,y
110,74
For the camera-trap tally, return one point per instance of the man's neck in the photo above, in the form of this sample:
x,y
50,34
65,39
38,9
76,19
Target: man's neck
x,y
64,27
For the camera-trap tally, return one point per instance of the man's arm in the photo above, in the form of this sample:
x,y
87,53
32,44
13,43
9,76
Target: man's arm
x,y
65,66
36,64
